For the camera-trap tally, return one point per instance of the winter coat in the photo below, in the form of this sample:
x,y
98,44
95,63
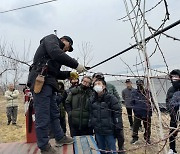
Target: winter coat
x,y
105,114
169,96
126,95
77,106
50,52
141,104
112,90
173,101
12,98
60,99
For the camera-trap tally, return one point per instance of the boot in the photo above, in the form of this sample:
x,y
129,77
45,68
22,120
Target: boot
x,y
64,140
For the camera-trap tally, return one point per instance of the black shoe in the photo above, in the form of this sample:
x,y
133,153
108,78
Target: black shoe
x,y
134,141
13,123
148,141
8,123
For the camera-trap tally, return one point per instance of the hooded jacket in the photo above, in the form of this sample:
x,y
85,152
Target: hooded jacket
x,y
50,52
171,91
77,106
11,97
105,114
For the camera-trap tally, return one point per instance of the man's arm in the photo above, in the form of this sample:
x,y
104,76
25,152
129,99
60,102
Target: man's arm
x,y
68,103
8,96
123,95
51,43
117,113
15,94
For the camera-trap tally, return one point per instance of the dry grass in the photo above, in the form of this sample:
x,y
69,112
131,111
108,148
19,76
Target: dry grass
x,y
17,133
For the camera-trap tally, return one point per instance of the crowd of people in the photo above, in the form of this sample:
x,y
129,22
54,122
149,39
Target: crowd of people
x,y
93,105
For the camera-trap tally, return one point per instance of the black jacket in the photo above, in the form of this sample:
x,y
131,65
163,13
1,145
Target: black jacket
x,y
105,114
169,95
141,103
50,52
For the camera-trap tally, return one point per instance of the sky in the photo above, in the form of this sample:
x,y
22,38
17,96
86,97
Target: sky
x,y
92,21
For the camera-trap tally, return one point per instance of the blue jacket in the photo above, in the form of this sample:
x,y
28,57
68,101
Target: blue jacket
x,y
141,104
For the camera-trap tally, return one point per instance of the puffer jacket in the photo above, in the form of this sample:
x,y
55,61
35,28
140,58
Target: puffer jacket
x,y
141,103
112,90
50,52
169,96
12,98
77,106
105,114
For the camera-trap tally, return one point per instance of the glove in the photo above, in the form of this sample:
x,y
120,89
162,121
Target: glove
x,y
74,75
80,68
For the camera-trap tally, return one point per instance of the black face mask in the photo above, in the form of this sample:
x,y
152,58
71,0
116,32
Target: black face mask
x,y
176,84
140,87
74,84
84,87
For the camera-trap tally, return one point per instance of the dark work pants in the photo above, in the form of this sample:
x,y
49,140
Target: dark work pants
x,y
172,139
130,116
147,126
12,114
120,139
46,114
63,123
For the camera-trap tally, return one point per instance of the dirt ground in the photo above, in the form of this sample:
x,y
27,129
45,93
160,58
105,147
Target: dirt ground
x,y
11,133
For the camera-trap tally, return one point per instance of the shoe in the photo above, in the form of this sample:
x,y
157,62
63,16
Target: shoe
x,y
49,150
134,141
13,123
141,129
8,123
172,152
64,140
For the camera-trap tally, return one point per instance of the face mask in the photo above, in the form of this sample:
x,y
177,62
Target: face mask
x,y
140,87
176,84
98,88
74,84
84,87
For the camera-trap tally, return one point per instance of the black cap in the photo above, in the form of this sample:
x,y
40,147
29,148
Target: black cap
x,y
139,82
175,72
127,80
70,41
98,75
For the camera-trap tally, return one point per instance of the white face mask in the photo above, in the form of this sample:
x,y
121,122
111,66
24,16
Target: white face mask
x,y
98,88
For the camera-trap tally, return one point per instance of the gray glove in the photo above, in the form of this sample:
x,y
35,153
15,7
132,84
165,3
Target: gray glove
x,y
80,68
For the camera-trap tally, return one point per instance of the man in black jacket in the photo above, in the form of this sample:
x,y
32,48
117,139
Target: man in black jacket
x,y
141,102
47,62
173,108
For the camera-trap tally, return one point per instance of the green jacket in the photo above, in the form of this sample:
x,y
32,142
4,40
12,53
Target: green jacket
x,y
112,90
77,106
